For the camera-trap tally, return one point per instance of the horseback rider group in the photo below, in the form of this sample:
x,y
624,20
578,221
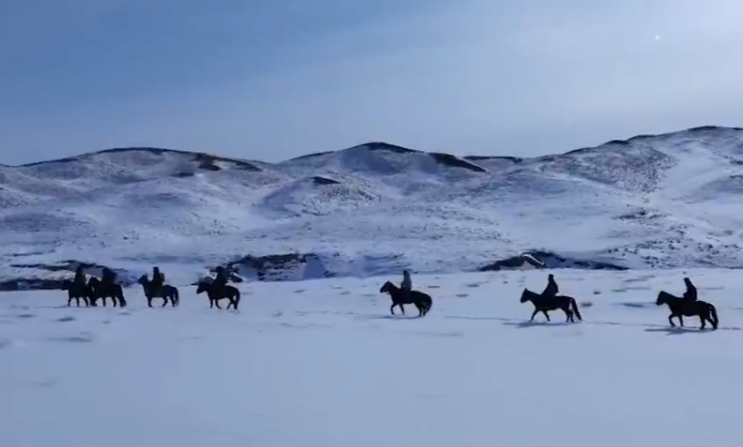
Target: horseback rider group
x,y
222,277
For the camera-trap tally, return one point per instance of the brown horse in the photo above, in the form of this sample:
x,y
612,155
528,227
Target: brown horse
x,y
544,303
103,291
166,292
219,293
421,300
680,308
76,291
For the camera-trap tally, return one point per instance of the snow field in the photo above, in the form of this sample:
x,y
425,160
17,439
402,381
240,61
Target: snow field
x,y
322,363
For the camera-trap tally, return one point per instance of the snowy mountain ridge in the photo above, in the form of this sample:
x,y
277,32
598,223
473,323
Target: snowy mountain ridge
x,y
656,201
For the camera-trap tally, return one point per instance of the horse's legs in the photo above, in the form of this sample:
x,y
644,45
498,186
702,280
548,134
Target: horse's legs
x,y
149,301
536,311
701,319
113,301
546,315
216,303
681,320
568,314
402,308
392,308
211,303
165,301
670,320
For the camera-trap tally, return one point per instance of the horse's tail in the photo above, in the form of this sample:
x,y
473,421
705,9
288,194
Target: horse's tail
x,y
427,303
713,313
422,301
237,295
574,305
176,295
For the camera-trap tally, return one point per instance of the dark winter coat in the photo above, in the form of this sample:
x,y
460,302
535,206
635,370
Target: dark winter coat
x,y
407,282
158,278
79,277
551,289
691,292
221,279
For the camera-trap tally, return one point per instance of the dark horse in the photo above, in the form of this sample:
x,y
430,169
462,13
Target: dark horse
x,y
680,308
167,292
545,303
421,300
101,291
215,294
76,291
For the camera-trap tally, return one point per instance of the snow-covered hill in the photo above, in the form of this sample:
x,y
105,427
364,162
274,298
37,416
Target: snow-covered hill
x,y
669,200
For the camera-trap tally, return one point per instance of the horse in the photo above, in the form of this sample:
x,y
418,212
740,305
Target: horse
x,y
680,308
544,303
100,291
215,294
76,291
167,292
421,300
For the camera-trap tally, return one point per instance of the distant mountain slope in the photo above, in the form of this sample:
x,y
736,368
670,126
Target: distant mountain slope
x,y
668,200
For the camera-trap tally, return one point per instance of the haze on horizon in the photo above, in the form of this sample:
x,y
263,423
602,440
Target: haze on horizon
x,y
275,79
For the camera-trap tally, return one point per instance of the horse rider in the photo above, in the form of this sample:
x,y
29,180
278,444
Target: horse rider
x,y
407,284
158,280
220,281
108,277
690,296
80,279
551,290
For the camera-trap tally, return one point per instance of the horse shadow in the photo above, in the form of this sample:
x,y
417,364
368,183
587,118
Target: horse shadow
x,y
527,324
679,330
390,317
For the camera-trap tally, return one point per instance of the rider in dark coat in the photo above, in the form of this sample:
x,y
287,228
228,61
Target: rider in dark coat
x,y
158,280
108,277
551,289
407,284
79,276
691,292
221,279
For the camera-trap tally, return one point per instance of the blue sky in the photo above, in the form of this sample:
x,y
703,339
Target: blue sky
x,y
274,79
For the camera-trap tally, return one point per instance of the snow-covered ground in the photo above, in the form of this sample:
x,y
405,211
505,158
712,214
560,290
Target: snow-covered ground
x,y
322,363
669,200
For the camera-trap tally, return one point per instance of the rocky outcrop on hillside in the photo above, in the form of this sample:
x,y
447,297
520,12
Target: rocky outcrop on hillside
x,y
546,260
280,267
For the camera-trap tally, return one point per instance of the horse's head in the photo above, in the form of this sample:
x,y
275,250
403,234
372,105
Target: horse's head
x,y
202,287
387,287
143,280
662,298
526,295
93,281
